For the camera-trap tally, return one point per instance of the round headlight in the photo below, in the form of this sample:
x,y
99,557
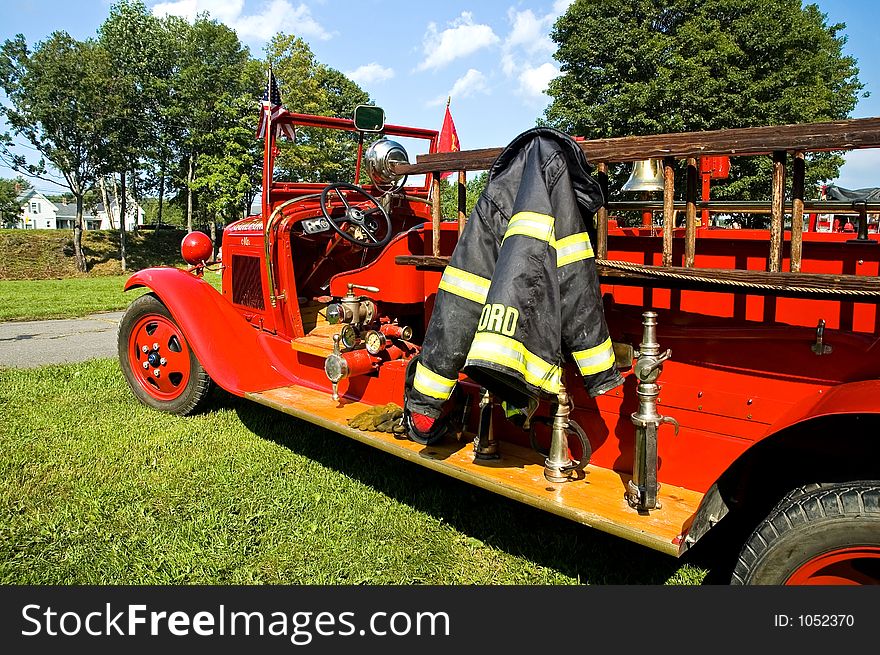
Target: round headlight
x,y
380,157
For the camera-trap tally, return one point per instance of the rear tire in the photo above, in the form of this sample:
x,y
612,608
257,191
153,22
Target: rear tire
x,y
819,534
167,375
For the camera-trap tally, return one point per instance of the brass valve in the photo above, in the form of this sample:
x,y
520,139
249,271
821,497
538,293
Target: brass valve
x,y
644,488
356,310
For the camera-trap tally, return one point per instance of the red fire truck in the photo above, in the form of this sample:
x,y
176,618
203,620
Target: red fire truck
x,y
751,357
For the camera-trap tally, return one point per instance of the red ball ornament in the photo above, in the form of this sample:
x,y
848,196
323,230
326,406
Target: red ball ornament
x,y
196,248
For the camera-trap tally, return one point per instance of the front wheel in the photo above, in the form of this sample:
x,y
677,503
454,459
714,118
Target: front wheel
x,y
157,362
825,534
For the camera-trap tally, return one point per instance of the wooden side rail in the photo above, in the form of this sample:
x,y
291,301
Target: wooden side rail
x,y
837,135
852,287
778,141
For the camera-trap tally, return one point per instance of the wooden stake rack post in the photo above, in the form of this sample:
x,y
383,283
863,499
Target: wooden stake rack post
x,y
779,142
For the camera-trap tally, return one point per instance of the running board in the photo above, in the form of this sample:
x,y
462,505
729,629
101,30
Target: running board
x,y
596,500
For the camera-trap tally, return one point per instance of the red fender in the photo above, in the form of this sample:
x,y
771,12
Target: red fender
x,y
237,356
850,398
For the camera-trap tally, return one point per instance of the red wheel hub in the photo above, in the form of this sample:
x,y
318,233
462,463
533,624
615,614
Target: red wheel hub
x,y
159,357
853,565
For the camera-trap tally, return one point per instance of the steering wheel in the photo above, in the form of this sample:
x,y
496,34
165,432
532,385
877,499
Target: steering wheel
x,y
356,216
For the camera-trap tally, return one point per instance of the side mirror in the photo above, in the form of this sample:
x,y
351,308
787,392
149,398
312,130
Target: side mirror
x,y
369,118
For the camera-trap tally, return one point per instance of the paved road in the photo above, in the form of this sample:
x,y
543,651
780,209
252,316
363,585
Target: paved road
x,y
34,343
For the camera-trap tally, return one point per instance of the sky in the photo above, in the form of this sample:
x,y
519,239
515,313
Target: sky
x,y
493,58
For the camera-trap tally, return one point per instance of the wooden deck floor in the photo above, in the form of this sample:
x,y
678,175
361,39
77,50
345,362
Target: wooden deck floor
x,y
596,500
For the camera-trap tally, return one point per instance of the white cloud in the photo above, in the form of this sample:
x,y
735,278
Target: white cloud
x,y
462,38
530,32
369,73
272,17
508,64
467,85
527,51
561,6
470,83
533,81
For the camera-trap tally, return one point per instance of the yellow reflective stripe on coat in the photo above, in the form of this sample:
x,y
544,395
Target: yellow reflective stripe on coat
x,y
531,224
431,384
464,284
511,354
569,249
573,248
595,360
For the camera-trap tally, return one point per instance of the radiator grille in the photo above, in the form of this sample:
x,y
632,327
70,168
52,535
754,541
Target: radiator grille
x,y
247,284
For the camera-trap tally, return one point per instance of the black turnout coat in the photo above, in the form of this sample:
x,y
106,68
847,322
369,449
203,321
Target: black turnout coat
x,y
521,292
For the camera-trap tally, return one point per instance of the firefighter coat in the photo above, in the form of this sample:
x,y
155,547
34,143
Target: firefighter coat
x,y
521,292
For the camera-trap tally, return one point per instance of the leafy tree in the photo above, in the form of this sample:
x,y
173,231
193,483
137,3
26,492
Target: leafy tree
x,y
686,65
168,124
313,88
229,169
210,83
172,214
449,195
10,209
62,99
140,65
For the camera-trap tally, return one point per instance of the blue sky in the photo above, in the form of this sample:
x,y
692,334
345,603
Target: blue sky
x,y
493,57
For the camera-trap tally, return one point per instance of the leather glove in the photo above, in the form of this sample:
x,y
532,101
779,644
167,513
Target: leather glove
x,y
382,418
365,420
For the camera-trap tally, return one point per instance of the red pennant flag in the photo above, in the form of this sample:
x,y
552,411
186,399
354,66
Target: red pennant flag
x,y
448,141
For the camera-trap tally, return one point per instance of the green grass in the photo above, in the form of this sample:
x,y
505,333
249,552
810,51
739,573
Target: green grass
x,y
69,297
38,278
78,296
97,489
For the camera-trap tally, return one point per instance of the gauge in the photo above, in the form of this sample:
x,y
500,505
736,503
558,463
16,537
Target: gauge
x,y
338,313
335,367
347,336
375,342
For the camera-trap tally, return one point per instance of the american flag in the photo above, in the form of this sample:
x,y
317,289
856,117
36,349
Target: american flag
x,y
271,110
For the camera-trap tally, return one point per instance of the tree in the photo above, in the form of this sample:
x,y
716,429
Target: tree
x,y
210,83
309,87
449,195
229,167
133,36
61,100
686,65
10,208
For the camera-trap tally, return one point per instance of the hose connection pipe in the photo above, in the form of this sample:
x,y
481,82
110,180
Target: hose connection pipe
x,y
558,465
485,444
644,488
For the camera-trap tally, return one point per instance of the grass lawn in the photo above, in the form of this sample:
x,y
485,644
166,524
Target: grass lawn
x,y
96,489
69,297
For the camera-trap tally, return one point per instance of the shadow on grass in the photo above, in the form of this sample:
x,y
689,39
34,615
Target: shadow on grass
x,y
574,550
144,249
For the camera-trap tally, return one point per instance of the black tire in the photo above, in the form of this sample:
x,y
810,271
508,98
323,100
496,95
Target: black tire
x,y
826,533
192,393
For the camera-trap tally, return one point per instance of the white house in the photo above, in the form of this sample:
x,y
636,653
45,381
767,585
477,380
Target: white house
x,y
66,217
134,214
37,211
40,213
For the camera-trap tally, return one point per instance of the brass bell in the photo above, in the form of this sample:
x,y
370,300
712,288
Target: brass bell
x,y
647,175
